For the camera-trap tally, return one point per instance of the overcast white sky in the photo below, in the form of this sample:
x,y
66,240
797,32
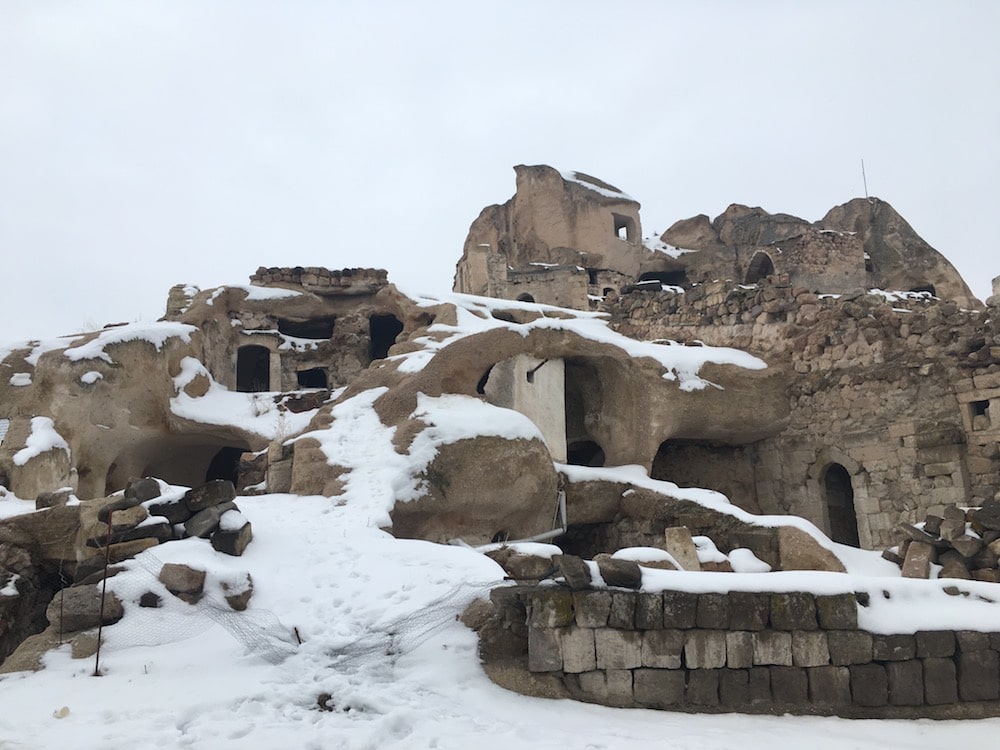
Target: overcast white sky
x,y
144,144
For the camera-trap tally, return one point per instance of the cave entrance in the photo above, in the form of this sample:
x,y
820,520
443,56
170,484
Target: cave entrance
x,y
761,266
669,278
584,453
839,492
253,369
383,330
313,378
314,328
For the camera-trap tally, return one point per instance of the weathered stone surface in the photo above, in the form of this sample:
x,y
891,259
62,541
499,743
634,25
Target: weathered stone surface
x,y
520,566
143,489
649,611
205,522
979,675
739,649
906,683
679,609
800,551
987,516
917,563
966,545
705,649
544,654
849,647
183,581
830,686
150,600
940,681
79,608
703,687
772,647
658,688
734,687
618,572
618,649
749,610
713,611
869,685
611,688
233,536
677,541
810,648
575,572
837,612
215,492
893,647
592,608
972,640
578,651
793,611
662,649
238,593
622,612
175,511
934,643
550,607
789,686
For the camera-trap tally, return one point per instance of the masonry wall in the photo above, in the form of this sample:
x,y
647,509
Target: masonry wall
x,y
754,652
890,390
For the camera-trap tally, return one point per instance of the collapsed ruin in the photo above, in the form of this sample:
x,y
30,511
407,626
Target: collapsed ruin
x,y
839,371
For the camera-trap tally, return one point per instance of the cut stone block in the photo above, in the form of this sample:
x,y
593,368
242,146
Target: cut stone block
x,y
772,647
550,607
658,688
662,649
713,611
544,654
592,608
749,610
793,611
849,647
705,649
617,572
893,647
679,609
739,649
837,612
578,651
649,611
183,581
789,686
233,535
734,687
978,674
622,612
677,541
906,683
830,686
810,648
935,643
215,492
917,563
869,685
940,681
575,572
703,687
618,649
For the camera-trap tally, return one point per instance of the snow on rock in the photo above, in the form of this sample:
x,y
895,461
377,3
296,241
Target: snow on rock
x,y
745,561
475,314
156,334
256,413
659,246
451,418
43,438
90,377
20,379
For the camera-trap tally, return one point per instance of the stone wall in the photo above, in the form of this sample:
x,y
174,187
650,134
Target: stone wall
x,y
752,652
323,280
896,390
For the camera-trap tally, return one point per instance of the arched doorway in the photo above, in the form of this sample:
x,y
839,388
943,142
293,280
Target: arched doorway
x,y
525,297
761,266
839,494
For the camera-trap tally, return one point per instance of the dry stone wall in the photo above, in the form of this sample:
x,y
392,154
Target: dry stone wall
x,y
895,389
752,652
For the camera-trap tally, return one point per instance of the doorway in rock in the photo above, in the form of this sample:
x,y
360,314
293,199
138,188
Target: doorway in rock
x,y
839,495
761,266
253,369
225,465
584,453
670,278
314,378
383,330
187,460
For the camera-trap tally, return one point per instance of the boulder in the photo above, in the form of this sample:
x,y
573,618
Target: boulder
x,y
798,550
615,571
238,593
205,522
79,608
210,494
183,581
520,566
575,572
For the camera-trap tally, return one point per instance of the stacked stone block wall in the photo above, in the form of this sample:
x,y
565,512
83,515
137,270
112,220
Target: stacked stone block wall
x,y
323,280
753,652
892,388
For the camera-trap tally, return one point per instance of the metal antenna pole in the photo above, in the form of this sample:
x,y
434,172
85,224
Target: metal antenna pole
x,y
864,178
